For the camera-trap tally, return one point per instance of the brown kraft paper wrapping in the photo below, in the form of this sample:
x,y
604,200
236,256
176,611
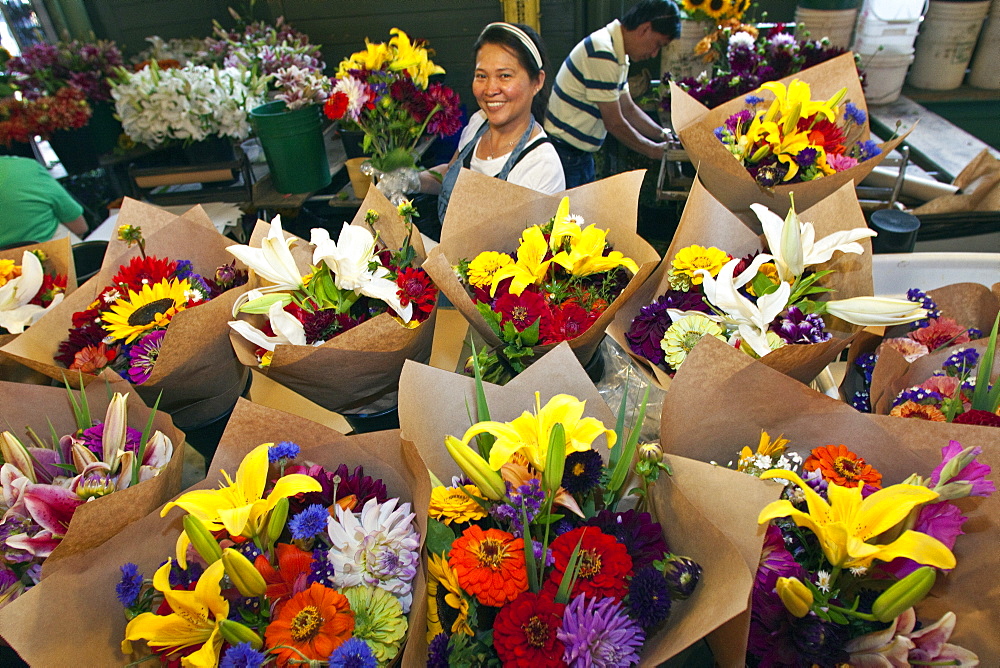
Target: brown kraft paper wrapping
x,y
95,522
196,371
703,509
92,621
470,227
706,222
59,260
736,397
361,365
729,181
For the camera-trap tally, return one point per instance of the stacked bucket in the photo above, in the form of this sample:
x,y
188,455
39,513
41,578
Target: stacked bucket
x,y
946,44
832,19
985,72
885,36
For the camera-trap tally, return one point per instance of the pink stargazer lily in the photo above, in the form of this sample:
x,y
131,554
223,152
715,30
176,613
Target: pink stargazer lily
x,y
898,645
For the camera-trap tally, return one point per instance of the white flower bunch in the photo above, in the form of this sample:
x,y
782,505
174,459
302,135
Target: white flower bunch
x,y
187,104
300,87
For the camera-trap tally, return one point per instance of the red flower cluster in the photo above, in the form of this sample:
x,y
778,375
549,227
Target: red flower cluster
x,y
557,321
416,287
21,120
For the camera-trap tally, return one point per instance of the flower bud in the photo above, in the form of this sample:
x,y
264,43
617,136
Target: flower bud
x,y
236,633
276,522
651,452
14,453
682,574
244,575
875,311
202,539
475,467
954,490
957,463
795,595
904,594
555,460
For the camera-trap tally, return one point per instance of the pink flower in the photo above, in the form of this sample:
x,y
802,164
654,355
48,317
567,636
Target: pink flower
x,y
840,163
899,644
941,332
946,386
939,520
908,348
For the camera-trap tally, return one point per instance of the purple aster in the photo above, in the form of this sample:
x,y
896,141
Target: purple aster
x,y
181,578
961,361
853,114
939,520
337,485
94,436
283,450
797,327
918,395
648,597
143,355
242,656
641,536
862,401
973,473
524,500
753,100
355,653
129,586
583,471
740,118
820,642
806,157
310,522
648,328
598,633
868,149
769,175
438,652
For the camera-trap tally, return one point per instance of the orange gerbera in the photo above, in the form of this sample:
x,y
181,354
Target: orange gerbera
x,y
311,624
911,409
489,565
289,578
842,467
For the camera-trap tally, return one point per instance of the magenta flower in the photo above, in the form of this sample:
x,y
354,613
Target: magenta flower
x,y
973,473
598,633
939,520
142,356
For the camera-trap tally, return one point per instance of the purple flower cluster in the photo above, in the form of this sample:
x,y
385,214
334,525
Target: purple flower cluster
x,y
961,362
651,324
525,501
924,300
918,395
45,68
797,327
94,436
641,536
862,401
853,114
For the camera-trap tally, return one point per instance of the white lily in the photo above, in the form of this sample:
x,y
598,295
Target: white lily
x,y
288,331
875,311
273,261
350,259
793,242
16,314
752,320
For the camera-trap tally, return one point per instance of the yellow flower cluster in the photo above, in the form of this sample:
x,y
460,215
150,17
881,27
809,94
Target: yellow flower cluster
x,y
485,265
694,257
398,55
716,9
8,271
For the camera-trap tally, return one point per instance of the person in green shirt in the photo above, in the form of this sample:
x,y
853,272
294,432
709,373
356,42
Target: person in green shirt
x,y
33,204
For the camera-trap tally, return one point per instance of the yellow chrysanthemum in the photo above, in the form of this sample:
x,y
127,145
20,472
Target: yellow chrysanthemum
x,y
447,605
684,334
765,447
8,271
691,258
485,265
454,504
151,308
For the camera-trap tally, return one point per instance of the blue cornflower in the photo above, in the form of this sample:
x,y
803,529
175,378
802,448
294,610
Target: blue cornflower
x,y
854,114
862,401
961,361
355,653
310,522
242,656
720,133
129,586
868,149
975,333
753,100
184,269
283,450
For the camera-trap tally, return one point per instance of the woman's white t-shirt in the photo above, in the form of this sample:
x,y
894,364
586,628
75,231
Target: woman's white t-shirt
x,y
538,169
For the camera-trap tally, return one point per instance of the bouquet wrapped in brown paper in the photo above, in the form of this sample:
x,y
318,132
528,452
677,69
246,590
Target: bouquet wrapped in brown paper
x,y
338,336
701,511
564,283
17,309
698,422
79,468
833,253
191,362
359,473
728,180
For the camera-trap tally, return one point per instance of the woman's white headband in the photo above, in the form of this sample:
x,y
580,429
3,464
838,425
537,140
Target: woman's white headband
x,y
522,36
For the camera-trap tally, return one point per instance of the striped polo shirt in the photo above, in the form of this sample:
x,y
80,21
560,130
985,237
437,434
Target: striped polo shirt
x,y
596,70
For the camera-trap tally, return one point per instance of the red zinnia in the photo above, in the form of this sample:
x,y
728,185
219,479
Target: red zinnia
x,y
289,578
842,467
604,563
336,106
524,632
415,286
941,332
144,271
521,310
567,322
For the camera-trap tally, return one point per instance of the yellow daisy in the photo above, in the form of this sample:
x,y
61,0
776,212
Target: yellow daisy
x,y
487,263
454,504
765,447
151,308
691,258
447,605
684,334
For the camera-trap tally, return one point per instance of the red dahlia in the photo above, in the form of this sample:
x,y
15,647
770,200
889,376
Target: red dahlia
x,y
823,133
415,286
524,632
336,106
567,322
978,417
144,270
605,564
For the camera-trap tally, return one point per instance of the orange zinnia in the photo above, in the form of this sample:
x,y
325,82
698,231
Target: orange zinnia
x,y
489,565
842,467
291,575
314,622
911,409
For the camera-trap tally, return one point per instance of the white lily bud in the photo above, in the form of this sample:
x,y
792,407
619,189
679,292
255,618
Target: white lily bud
x,y
115,427
875,311
82,457
15,454
159,450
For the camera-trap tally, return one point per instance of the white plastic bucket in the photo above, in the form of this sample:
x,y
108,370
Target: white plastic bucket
x,y
945,44
888,25
835,24
895,10
678,57
985,71
884,75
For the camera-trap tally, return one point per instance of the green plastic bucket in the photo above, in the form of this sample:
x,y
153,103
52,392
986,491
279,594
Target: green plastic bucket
x,y
293,145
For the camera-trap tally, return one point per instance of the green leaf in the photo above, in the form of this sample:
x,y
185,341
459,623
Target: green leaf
x,y
549,518
620,424
263,304
484,441
491,317
982,398
440,536
529,555
569,575
146,432
628,452
529,337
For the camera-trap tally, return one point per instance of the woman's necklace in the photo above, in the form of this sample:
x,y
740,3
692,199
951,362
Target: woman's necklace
x,y
493,150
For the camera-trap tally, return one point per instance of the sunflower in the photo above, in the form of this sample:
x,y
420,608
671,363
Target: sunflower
x,y
842,467
310,624
716,9
489,565
148,309
447,605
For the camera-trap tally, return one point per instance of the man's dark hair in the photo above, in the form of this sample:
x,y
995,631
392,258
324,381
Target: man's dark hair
x,y
662,15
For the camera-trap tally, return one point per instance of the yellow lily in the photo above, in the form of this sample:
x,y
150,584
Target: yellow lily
x,y
239,507
195,618
412,58
372,58
799,93
586,256
846,523
563,225
530,266
529,434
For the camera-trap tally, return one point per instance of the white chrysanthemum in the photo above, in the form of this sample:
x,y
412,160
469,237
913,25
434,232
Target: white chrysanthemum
x,y
741,39
357,95
379,546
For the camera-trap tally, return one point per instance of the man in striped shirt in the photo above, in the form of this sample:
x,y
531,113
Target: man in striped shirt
x,y
590,96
